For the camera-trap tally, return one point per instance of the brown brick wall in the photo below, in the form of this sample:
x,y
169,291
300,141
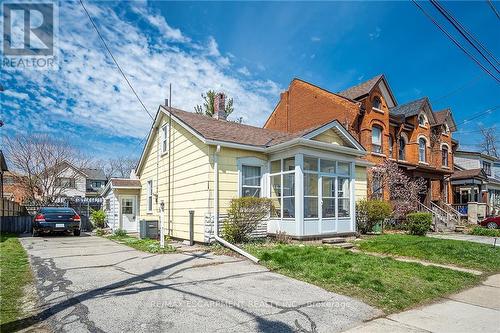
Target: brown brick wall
x,y
304,106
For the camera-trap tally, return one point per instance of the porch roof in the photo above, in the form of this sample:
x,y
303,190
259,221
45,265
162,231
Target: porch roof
x,y
469,174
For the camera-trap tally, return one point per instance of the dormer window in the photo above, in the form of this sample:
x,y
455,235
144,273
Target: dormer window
x,y
377,103
446,129
422,120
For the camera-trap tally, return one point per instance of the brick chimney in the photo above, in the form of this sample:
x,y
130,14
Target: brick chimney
x,y
220,106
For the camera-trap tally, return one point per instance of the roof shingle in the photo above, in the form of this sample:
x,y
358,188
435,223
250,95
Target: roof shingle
x,y
409,109
361,89
465,174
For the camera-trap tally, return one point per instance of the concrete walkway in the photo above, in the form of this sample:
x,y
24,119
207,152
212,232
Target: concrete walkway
x,y
473,310
90,284
468,238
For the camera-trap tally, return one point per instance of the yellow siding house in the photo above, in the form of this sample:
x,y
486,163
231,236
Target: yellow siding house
x,y
199,163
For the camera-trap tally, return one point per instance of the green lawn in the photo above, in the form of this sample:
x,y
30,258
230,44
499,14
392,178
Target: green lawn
x,y
443,251
382,282
15,273
145,245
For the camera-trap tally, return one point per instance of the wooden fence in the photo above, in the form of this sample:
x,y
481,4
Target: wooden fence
x,y
16,224
11,208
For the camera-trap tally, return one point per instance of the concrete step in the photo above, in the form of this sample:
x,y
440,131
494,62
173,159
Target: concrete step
x,y
343,245
333,240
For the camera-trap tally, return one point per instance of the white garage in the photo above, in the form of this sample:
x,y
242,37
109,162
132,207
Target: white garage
x,y
121,204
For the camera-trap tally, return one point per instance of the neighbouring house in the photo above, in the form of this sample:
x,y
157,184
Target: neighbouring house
x,y
476,180
121,204
413,135
195,162
74,182
13,189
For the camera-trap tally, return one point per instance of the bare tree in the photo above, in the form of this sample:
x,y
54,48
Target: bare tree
x,y
39,161
123,166
489,143
403,190
117,167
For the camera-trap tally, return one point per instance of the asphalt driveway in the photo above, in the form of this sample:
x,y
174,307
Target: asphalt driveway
x,y
93,284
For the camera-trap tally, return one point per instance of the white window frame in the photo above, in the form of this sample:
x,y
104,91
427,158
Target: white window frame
x,y
420,160
377,109
165,129
380,128
282,197
149,198
443,147
403,138
255,162
426,121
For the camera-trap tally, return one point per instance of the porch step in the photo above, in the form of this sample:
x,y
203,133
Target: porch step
x,y
459,228
334,240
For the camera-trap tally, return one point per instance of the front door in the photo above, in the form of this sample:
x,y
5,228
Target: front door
x,y
128,213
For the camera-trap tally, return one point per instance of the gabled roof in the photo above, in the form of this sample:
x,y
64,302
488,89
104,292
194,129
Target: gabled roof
x,y
94,174
228,131
470,173
364,88
445,116
212,131
361,89
413,108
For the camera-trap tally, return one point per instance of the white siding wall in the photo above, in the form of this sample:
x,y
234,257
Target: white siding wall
x,y
467,162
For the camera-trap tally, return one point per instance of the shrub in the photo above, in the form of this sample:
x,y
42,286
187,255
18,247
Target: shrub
x,y
244,215
98,218
120,232
100,232
283,238
371,212
419,223
480,231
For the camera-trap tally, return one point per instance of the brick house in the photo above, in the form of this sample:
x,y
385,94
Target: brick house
x,y
415,136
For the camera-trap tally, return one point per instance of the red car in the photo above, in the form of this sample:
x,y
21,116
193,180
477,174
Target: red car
x,y
492,222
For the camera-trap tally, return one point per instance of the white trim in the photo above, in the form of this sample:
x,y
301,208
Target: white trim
x,y
335,124
148,190
378,110
378,154
447,146
252,161
164,131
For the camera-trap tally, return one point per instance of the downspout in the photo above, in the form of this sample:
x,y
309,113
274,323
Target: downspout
x,y
216,212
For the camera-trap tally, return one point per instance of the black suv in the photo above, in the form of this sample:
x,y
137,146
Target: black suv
x,y
49,219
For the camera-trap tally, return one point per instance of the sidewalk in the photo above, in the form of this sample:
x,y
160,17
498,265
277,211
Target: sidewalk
x,y
468,238
473,310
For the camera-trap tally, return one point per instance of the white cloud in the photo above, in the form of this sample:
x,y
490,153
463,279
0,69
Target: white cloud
x,y
89,91
16,95
315,39
375,34
244,70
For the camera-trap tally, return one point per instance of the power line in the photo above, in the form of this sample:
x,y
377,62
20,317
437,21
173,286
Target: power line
x,y
492,6
477,115
453,40
465,34
453,92
114,60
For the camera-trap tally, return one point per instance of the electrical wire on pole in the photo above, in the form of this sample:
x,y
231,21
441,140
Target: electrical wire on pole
x,y
469,37
455,41
114,60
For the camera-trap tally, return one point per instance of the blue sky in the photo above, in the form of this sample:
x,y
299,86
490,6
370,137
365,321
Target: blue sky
x,y
250,50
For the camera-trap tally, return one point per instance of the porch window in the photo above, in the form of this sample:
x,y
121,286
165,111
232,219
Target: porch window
x,y
283,187
444,156
377,139
150,195
164,139
334,179
421,149
250,185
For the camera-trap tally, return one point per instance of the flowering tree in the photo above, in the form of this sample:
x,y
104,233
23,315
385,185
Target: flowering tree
x,y
403,190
